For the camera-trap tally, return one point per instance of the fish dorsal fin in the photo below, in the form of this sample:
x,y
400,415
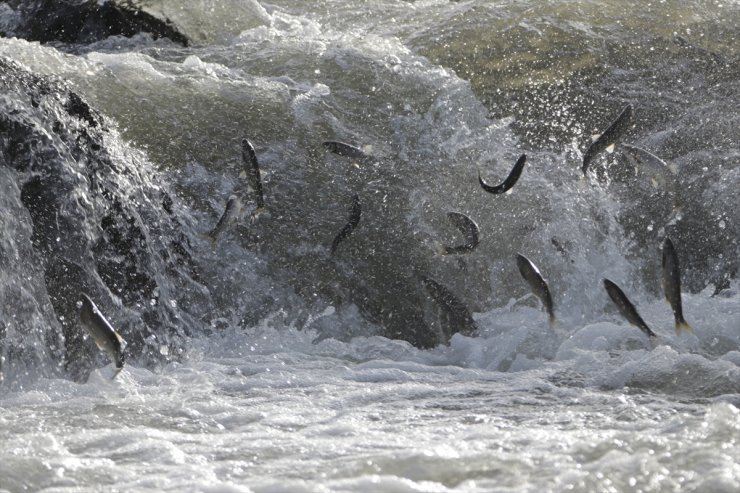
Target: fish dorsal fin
x,y
610,148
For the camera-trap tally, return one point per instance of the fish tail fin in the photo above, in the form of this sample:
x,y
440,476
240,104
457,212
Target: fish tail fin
x,y
683,326
120,359
553,321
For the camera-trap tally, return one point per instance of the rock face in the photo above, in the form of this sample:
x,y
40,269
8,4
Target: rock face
x,y
86,21
81,211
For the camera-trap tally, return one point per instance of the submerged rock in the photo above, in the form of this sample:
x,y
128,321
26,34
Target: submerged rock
x,y
83,212
86,21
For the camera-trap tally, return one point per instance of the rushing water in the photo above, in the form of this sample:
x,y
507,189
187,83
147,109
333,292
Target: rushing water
x,y
298,370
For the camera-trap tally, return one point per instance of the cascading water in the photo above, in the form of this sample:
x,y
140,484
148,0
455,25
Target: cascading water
x,y
264,362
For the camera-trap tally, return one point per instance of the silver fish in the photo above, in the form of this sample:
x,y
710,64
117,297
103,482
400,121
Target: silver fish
x,y
626,308
345,150
537,284
510,180
252,169
352,222
470,231
610,136
104,335
230,215
660,173
455,316
671,281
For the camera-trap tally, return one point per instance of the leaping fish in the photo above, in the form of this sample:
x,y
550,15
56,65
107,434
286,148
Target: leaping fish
x,y
252,169
672,284
345,150
230,215
626,308
659,172
104,335
470,231
510,180
352,222
455,316
608,139
537,283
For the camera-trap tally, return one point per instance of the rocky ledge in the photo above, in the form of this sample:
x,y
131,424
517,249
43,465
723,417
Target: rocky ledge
x,y
82,211
86,21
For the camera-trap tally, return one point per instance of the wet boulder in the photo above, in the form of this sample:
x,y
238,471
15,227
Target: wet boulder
x,y
86,21
82,211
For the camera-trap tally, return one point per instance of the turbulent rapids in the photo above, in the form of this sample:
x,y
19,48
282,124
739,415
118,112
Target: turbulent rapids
x,y
473,207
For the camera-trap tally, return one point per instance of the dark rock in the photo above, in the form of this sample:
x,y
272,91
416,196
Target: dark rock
x,y
86,21
76,107
85,213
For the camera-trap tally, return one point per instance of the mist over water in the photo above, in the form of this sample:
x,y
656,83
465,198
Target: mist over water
x,y
264,363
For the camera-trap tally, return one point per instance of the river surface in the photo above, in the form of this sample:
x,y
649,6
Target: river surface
x,y
307,372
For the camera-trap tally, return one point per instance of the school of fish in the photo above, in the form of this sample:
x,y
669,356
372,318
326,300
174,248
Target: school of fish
x,y
454,316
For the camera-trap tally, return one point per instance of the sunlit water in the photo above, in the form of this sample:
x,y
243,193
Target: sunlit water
x,y
438,90
265,410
